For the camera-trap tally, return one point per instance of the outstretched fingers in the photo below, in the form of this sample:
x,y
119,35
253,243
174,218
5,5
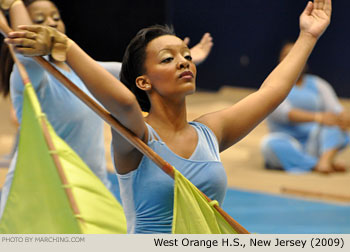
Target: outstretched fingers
x,y
201,50
323,5
309,7
21,39
328,7
207,40
22,34
318,4
187,40
31,28
20,42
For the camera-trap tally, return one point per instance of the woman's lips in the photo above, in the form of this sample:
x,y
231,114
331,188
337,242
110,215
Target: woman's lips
x,y
186,75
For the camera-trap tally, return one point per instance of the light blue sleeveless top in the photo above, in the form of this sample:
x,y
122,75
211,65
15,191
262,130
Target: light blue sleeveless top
x,y
147,193
72,120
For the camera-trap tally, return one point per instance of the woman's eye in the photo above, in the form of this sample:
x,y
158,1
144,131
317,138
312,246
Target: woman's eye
x,y
39,21
56,18
167,60
188,57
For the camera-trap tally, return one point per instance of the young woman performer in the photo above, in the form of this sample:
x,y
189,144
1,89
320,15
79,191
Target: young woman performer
x,y
307,129
73,121
157,67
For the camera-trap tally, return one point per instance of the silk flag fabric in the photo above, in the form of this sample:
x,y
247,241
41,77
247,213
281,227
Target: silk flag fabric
x,y
37,201
193,214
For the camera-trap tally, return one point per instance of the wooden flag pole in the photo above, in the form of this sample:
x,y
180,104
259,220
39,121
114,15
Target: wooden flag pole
x,y
126,133
49,142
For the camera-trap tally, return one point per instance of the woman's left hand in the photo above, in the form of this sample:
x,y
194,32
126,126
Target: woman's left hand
x,y
316,17
201,50
38,40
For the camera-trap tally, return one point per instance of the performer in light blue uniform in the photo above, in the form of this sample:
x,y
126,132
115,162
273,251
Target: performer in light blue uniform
x,y
298,141
72,120
157,75
148,193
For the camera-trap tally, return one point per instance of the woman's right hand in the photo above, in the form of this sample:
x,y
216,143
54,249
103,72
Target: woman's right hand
x,y
38,40
316,17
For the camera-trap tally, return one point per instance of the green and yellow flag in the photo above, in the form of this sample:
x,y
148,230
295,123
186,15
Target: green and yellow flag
x,y
193,214
38,202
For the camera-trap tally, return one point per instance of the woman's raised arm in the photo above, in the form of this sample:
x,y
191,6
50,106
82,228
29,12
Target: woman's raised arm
x,y
232,124
36,40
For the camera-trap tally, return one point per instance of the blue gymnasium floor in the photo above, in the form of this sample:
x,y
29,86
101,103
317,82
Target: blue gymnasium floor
x,y
270,214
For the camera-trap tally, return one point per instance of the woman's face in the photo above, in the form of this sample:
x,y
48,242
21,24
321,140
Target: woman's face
x,y
169,67
44,12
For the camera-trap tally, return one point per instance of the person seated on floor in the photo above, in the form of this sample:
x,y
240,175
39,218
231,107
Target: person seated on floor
x,y
308,129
